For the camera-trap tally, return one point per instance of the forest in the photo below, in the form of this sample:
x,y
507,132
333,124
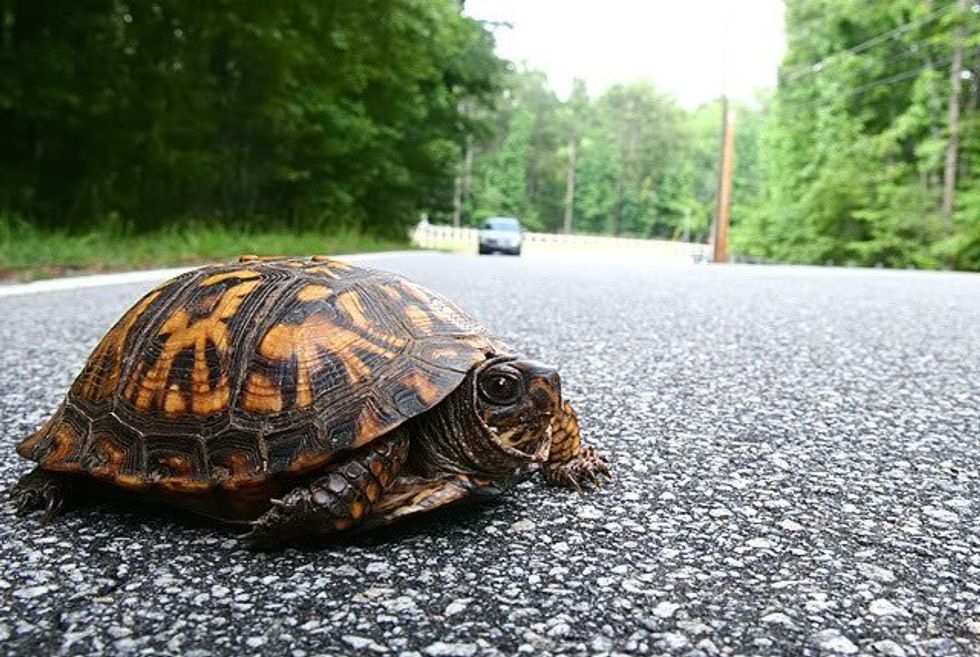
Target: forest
x,y
295,114
629,162
871,145
328,116
866,153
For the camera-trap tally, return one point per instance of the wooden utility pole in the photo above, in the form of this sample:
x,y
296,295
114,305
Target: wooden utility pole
x,y
952,148
570,185
726,168
712,238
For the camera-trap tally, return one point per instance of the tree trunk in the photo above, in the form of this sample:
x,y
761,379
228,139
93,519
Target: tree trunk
x,y
971,103
468,170
457,200
630,174
617,208
930,178
570,185
952,149
970,110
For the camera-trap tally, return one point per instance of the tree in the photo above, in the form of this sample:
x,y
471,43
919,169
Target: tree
x,y
630,162
573,115
861,162
306,114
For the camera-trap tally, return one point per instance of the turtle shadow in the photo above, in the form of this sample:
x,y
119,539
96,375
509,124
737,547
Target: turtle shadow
x,y
103,506
470,514
107,506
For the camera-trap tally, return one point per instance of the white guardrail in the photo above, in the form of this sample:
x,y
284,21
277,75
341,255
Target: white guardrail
x,y
435,236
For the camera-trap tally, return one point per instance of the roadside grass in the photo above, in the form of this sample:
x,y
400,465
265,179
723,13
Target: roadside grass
x,y
27,253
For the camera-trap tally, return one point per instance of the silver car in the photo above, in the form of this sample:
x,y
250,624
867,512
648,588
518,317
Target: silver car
x,y
501,235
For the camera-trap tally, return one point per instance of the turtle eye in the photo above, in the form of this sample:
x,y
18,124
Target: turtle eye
x,y
500,386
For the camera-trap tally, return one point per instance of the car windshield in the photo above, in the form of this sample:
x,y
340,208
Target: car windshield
x,y
503,223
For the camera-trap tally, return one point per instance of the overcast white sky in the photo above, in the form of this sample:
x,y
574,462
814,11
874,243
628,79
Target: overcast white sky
x,y
689,48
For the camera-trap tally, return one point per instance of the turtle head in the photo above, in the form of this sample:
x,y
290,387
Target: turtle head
x,y
515,400
495,424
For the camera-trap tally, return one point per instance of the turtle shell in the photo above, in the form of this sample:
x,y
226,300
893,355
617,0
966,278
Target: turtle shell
x,y
227,375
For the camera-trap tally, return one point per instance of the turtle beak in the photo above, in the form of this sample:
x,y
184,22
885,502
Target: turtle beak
x,y
544,391
543,387
544,449
525,426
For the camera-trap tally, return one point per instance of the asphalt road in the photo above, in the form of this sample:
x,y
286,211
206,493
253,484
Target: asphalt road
x,y
797,463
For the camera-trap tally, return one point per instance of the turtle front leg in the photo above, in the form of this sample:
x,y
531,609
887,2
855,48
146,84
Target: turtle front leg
x,y
41,489
333,502
570,465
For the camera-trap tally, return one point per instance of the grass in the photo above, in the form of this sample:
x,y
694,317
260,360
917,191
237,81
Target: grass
x,y
27,253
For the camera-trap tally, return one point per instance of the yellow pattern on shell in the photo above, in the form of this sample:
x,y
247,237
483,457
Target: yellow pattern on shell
x,y
183,331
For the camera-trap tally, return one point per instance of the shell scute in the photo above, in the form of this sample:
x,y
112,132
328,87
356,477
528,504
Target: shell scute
x,y
235,458
176,463
297,449
101,374
235,274
116,453
426,313
61,443
174,375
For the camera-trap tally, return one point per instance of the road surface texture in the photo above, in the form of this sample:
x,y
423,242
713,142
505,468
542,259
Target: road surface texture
x,y
797,463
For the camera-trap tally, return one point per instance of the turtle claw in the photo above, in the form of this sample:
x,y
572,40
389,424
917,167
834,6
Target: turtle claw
x,y
286,519
587,468
251,524
53,506
257,537
40,490
595,479
25,501
248,539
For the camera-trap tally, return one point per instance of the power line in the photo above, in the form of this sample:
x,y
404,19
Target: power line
x,y
904,54
883,63
816,67
892,79
915,49
898,77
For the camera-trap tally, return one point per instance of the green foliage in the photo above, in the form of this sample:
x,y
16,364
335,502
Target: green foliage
x,y
855,146
122,118
298,114
29,252
844,165
503,182
644,167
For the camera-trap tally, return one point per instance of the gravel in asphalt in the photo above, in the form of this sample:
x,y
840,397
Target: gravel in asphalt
x,y
797,463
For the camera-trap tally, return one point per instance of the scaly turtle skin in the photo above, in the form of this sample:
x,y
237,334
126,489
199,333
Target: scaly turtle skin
x,y
304,397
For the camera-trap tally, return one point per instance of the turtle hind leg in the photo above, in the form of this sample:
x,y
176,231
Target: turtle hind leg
x,y
338,499
411,495
570,463
42,489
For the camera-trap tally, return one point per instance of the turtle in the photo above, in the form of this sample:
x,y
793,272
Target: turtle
x,y
300,398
